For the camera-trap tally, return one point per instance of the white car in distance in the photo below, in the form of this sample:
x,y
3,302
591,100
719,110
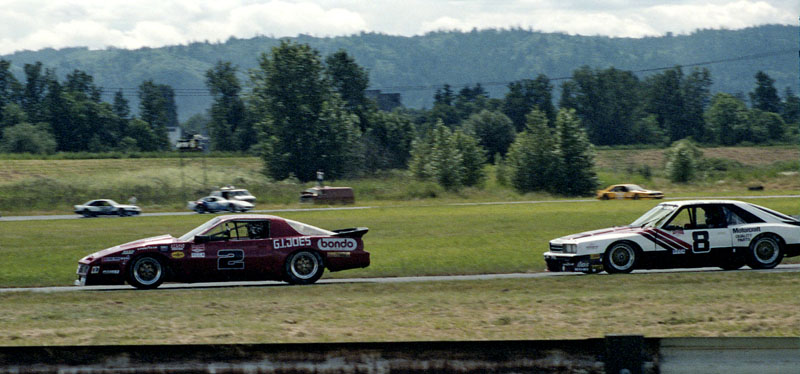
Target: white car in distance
x,y
101,207
212,204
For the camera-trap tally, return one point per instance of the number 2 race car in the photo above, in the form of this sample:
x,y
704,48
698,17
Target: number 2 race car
x,y
727,234
229,248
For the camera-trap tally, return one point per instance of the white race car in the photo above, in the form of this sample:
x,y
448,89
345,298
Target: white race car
x,y
106,207
213,204
723,233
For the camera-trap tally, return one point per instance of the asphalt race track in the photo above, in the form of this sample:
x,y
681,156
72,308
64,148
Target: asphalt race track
x,y
791,268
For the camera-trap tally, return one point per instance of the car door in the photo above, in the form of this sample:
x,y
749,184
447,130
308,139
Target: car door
x,y
232,252
697,230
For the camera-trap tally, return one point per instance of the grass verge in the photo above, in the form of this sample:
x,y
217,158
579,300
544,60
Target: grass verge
x,y
663,305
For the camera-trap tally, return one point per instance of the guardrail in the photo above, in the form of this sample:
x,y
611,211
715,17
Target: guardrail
x,y
613,354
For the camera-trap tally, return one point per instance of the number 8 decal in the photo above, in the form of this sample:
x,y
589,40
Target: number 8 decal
x,y
701,243
230,259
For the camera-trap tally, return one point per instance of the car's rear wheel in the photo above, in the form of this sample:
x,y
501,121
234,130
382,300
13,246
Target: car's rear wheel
x,y
304,267
200,209
146,272
620,257
765,252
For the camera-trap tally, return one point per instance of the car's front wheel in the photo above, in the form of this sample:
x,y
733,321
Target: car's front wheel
x,y
146,272
87,213
765,252
304,267
121,213
620,257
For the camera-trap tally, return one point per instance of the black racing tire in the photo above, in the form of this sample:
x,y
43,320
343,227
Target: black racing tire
x,y
87,213
146,272
621,257
765,252
121,212
605,197
200,209
636,197
232,208
304,267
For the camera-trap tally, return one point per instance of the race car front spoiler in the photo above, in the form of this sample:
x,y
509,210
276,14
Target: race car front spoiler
x,y
574,263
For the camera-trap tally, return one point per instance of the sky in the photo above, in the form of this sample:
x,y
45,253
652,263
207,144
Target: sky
x,y
131,24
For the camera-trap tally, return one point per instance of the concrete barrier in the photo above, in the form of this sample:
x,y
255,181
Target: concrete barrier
x,y
614,354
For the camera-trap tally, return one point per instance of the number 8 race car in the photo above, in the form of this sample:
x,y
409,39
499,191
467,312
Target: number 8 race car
x,y
723,233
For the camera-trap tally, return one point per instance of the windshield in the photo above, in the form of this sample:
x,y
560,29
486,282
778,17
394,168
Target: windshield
x,y
309,230
654,215
190,235
634,187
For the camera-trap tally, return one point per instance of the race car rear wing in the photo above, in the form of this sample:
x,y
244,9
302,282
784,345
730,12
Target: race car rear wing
x,y
353,232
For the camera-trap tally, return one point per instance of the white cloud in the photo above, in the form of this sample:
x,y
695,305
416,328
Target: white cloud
x,y
36,24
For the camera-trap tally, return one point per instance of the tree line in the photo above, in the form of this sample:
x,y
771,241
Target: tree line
x,y
303,112
44,114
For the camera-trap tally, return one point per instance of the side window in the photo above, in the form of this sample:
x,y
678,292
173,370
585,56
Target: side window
x,y
221,232
682,220
731,218
714,217
744,215
240,230
258,229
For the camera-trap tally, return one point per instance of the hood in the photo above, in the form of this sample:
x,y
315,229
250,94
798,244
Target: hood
x,y
595,233
153,241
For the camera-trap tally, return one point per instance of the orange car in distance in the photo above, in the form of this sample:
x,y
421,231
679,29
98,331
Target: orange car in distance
x,y
628,191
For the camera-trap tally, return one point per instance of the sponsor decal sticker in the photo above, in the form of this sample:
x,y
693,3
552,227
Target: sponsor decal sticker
x,y
150,247
337,244
128,252
163,248
291,242
110,271
198,255
177,247
679,251
177,254
95,269
746,229
198,248
115,259
595,256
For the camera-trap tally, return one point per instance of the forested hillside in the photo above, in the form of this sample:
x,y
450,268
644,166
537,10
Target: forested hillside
x,y
493,58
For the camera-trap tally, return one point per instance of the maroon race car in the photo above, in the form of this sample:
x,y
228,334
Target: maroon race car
x,y
229,248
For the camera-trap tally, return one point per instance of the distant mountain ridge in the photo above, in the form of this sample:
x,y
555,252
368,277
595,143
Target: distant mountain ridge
x,y
404,64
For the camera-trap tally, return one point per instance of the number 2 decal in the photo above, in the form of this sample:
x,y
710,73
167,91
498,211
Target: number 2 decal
x,y
700,244
230,259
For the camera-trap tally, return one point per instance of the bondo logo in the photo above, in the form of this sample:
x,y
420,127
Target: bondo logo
x,y
338,244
